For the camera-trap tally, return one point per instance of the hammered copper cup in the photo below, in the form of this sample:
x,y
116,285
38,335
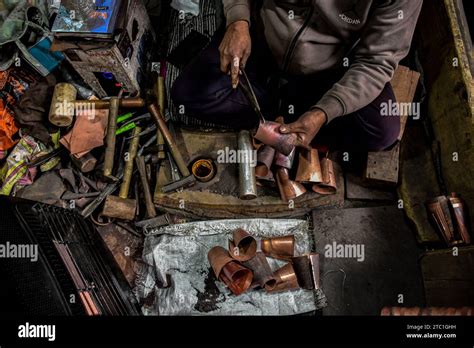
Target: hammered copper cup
x,y
329,185
288,189
236,277
262,273
264,162
286,279
269,133
282,248
309,167
243,246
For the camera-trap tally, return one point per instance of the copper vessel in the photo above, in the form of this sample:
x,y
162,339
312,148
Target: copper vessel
x,y
329,185
203,170
282,248
237,278
460,217
288,189
262,273
309,167
218,257
286,279
281,160
307,271
269,133
264,162
449,218
243,247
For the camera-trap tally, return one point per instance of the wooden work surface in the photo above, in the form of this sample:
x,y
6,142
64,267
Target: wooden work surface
x,y
219,197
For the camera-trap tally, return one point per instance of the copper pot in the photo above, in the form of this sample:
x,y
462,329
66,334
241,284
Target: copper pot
x,y
282,248
309,167
243,247
288,189
262,273
269,133
286,279
329,185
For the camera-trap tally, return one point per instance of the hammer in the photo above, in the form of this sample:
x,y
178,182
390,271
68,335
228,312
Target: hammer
x,y
187,179
64,106
122,207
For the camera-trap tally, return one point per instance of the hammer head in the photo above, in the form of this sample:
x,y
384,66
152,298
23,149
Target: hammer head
x,y
120,208
62,108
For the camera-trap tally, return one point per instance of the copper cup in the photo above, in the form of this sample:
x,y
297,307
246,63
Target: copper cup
x,y
269,133
307,271
286,279
329,185
243,247
265,159
237,278
309,167
288,189
281,160
218,257
282,248
262,273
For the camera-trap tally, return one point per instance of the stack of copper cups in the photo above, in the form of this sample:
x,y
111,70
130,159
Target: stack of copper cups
x,y
243,266
275,162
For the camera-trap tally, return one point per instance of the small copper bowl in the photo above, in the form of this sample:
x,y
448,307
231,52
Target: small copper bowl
x,y
269,133
282,248
288,189
243,247
309,167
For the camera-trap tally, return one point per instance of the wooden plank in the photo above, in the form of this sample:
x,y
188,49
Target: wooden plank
x,y
404,84
383,167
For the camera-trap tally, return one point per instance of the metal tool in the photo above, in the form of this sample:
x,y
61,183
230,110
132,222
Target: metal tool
x,y
187,179
251,96
85,164
150,207
122,207
247,179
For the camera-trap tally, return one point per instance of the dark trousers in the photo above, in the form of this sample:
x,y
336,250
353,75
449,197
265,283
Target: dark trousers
x,y
207,94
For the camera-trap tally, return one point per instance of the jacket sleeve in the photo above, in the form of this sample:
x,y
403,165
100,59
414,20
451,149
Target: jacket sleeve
x,y
385,41
236,10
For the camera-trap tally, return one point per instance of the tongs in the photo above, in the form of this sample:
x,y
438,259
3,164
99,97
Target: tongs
x,y
250,94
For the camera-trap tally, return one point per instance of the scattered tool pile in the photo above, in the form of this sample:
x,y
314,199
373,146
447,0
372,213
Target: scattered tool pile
x,y
245,266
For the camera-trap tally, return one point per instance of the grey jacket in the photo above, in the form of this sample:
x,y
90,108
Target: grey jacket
x,y
308,36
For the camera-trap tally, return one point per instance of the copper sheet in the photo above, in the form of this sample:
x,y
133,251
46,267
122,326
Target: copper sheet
x,y
281,160
282,248
439,211
460,216
243,246
262,273
264,162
